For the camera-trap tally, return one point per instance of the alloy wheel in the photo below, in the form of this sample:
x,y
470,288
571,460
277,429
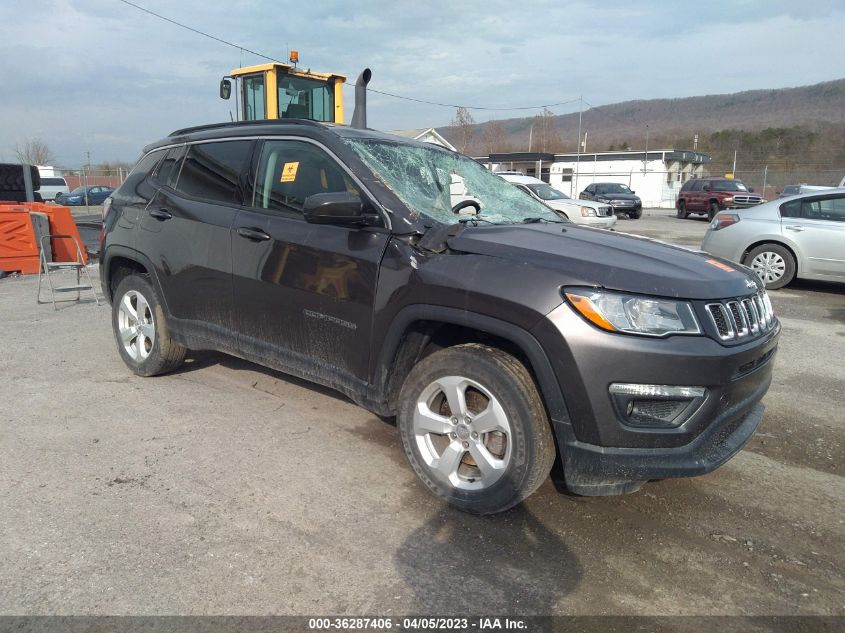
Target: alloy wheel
x,y
136,326
462,432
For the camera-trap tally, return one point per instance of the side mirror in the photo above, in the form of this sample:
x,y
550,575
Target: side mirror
x,y
225,88
633,192
751,190
342,208
706,188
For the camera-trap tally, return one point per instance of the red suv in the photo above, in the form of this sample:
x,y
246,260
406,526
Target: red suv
x,y
711,195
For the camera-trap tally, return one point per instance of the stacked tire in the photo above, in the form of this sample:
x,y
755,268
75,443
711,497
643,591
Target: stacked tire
x,y
12,184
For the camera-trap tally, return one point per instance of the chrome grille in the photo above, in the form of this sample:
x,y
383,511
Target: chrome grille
x,y
739,319
749,200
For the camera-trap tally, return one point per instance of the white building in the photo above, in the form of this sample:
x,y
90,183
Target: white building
x,y
656,178
426,135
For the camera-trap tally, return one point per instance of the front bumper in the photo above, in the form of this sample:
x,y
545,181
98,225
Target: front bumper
x,y
626,208
599,222
601,453
592,470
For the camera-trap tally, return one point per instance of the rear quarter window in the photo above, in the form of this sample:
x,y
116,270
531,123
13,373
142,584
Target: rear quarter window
x,y
140,172
168,170
791,209
53,182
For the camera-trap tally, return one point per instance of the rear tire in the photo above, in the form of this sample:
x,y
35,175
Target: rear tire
x,y
682,210
141,331
773,263
496,449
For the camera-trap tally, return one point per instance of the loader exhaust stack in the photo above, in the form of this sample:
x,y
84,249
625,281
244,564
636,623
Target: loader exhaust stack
x,y
359,115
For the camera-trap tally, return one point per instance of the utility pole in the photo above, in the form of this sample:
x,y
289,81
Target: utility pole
x,y
584,148
765,174
86,171
574,193
530,135
645,158
733,170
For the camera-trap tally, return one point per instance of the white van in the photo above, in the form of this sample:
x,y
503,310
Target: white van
x,y
52,185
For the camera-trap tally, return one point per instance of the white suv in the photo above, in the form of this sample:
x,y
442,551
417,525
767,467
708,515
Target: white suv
x,y
587,212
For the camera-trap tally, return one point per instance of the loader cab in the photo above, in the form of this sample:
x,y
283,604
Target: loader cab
x,y
283,91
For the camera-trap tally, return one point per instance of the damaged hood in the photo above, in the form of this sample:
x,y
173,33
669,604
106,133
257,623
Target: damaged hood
x,y
594,257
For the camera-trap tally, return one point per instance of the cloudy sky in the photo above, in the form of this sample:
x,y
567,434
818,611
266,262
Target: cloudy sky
x,y
100,76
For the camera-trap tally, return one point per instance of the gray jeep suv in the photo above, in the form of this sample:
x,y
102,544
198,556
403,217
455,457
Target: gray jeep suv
x,y
508,343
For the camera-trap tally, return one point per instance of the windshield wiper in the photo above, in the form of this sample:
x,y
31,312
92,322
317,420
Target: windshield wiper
x,y
536,220
474,220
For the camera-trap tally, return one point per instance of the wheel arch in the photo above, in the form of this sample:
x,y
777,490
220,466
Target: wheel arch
x,y
120,261
778,242
419,330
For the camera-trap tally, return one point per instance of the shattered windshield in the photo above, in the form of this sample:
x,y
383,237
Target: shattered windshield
x,y
432,181
547,192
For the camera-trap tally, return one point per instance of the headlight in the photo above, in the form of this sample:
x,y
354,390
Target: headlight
x,y
728,199
634,314
601,199
588,212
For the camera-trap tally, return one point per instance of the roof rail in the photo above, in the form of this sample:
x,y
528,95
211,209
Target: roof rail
x,y
236,124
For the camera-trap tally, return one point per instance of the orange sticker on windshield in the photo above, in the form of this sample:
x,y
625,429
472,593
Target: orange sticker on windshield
x,y
289,172
720,265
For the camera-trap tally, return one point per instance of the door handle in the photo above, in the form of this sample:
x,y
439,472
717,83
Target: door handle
x,y
255,235
161,214
794,227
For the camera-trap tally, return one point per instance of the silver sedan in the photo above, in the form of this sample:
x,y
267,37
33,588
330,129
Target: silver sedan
x,y
800,236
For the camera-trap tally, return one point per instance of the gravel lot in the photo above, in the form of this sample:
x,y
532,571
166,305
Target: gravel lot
x,y
227,488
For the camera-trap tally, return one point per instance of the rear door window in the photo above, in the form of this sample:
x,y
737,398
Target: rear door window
x,y
829,209
215,171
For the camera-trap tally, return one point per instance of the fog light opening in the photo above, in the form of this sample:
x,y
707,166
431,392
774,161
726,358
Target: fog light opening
x,y
655,406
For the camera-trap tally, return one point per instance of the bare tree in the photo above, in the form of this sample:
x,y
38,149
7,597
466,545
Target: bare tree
x,y
464,126
34,152
493,136
545,133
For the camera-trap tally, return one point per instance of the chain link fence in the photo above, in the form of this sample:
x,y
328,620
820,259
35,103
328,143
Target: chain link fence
x,y
91,176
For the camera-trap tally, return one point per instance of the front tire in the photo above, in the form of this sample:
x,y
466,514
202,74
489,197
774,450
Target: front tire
x,y
713,210
474,428
140,329
635,215
682,210
773,263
